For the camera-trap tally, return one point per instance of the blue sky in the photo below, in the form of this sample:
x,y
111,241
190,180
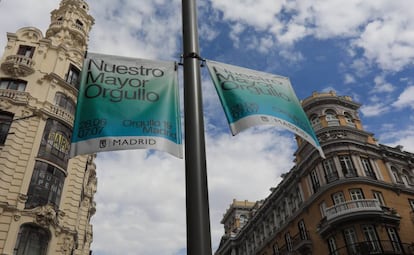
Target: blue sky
x,y
363,49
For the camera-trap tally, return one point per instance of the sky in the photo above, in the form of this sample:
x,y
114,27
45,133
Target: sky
x,y
362,49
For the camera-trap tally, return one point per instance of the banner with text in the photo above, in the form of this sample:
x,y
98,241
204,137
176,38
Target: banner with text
x,y
252,98
127,103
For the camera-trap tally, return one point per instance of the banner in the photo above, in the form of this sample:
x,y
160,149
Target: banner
x,y
127,103
252,98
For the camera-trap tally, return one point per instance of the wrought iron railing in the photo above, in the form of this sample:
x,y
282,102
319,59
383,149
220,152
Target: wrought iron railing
x,y
375,247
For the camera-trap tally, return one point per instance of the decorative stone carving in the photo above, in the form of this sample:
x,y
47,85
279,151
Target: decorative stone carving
x,y
17,216
46,216
67,245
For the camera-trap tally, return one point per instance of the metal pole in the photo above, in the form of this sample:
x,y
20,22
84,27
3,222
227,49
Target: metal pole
x,y
197,205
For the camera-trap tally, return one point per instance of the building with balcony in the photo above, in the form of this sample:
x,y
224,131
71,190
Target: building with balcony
x,y
358,200
46,199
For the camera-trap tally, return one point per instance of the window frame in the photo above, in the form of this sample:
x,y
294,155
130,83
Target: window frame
x,y
13,84
394,239
73,76
371,236
25,239
351,239
356,194
335,198
46,185
347,165
314,177
331,174
333,249
6,119
65,102
26,50
367,166
378,196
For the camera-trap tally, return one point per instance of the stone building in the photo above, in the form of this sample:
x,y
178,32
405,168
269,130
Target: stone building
x,y
359,200
46,199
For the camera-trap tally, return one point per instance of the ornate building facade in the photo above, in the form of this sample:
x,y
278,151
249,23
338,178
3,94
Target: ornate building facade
x,y
359,200
46,199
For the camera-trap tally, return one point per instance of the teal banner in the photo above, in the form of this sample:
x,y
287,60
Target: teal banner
x,y
252,98
127,103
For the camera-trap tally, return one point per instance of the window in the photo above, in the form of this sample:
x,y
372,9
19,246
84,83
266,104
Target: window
x,y
330,171
338,198
6,119
31,240
395,240
348,119
276,249
302,230
289,243
378,196
55,145
347,166
314,180
13,84
299,196
322,208
73,76
332,246
316,122
25,50
79,23
368,168
351,240
406,177
411,201
356,194
372,239
45,186
396,175
65,102
331,118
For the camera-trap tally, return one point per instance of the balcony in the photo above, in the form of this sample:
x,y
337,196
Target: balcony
x,y
18,97
18,66
367,209
353,206
59,113
302,243
375,247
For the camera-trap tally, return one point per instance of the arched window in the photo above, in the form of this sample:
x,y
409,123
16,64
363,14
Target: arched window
x,y
79,23
407,178
396,175
349,120
331,118
5,123
65,102
31,240
45,186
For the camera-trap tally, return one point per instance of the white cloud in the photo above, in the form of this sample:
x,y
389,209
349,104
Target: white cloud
x,y
382,86
258,13
406,98
349,78
374,110
141,198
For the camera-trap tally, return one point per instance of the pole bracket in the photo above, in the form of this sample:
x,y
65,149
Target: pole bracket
x,y
192,55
